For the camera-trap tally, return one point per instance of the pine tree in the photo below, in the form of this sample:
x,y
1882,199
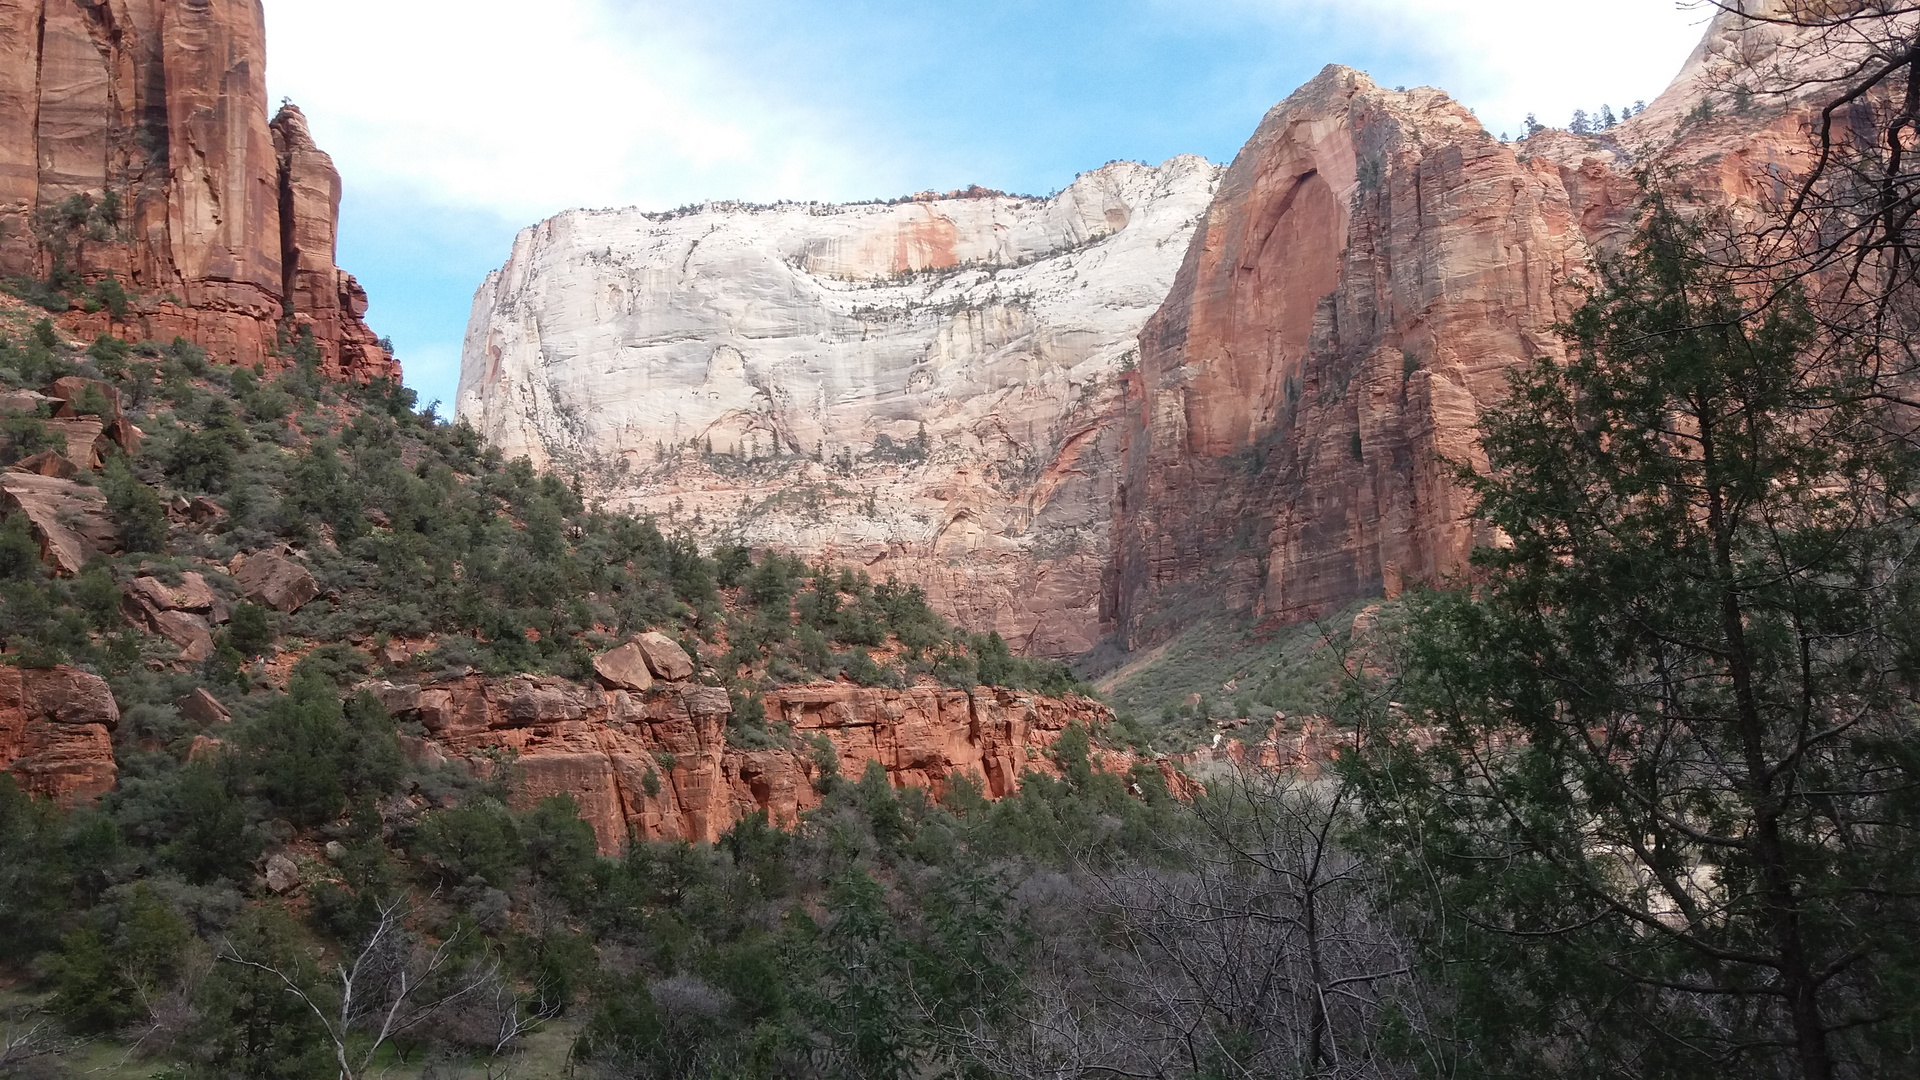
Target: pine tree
x,y
1665,795
1580,124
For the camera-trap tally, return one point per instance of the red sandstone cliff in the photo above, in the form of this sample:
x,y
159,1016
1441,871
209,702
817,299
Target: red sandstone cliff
x,y
658,765
156,111
1372,264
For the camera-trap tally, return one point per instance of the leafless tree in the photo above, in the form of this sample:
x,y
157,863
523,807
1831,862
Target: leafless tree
x,y
391,985
1840,226
25,1036
1252,949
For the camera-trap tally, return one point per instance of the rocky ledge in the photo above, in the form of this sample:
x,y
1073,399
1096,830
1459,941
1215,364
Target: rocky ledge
x,y
659,764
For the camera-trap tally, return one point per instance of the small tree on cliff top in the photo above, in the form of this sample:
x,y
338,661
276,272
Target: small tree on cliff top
x,y
1664,815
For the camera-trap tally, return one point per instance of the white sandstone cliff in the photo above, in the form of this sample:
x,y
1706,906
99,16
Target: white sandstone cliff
x,y
928,388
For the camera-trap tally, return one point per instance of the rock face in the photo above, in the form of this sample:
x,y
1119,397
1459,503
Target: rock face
x,y
658,765
1372,266
56,729
929,388
156,112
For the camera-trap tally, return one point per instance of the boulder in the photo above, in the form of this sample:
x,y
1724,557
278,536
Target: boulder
x,y
664,656
47,463
624,668
69,519
23,401
87,444
283,874
202,708
273,580
192,594
68,389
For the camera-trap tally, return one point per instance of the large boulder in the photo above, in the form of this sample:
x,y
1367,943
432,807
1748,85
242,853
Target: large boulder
x,y
187,630
70,520
192,594
624,668
275,581
47,463
86,444
664,656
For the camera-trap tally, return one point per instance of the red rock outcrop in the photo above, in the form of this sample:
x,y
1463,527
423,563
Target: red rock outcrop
x,y
155,111
56,729
659,765
1373,264
321,295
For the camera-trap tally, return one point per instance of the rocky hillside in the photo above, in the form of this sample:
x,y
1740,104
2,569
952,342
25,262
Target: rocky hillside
x,y
142,185
928,388
241,531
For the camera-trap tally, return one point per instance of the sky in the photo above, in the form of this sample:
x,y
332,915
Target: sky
x,y
456,123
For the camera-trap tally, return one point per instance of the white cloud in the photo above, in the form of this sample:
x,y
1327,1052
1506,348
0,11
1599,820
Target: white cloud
x,y
1507,58
526,108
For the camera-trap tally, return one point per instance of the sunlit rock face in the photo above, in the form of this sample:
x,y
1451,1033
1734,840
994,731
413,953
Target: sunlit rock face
x,y
929,388
1373,267
134,142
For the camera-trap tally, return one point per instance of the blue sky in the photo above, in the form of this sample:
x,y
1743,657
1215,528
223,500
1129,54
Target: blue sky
x,y
455,124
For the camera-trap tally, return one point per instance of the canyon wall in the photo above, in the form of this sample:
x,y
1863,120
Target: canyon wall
x,y
951,390
135,142
928,388
1373,265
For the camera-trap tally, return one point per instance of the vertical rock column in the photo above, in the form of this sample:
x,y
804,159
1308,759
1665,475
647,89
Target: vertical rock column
x,y
322,296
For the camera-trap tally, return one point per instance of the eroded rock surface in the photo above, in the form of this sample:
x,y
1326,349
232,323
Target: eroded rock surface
x,y
659,765
930,388
274,580
68,518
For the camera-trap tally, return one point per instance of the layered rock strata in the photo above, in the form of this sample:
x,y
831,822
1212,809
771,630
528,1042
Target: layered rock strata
x,y
658,765
929,388
134,141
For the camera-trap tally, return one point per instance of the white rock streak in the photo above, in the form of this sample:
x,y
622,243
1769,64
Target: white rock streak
x,y
772,375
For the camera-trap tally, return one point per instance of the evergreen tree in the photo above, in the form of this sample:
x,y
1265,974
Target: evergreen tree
x,y
1665,805
1580,125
